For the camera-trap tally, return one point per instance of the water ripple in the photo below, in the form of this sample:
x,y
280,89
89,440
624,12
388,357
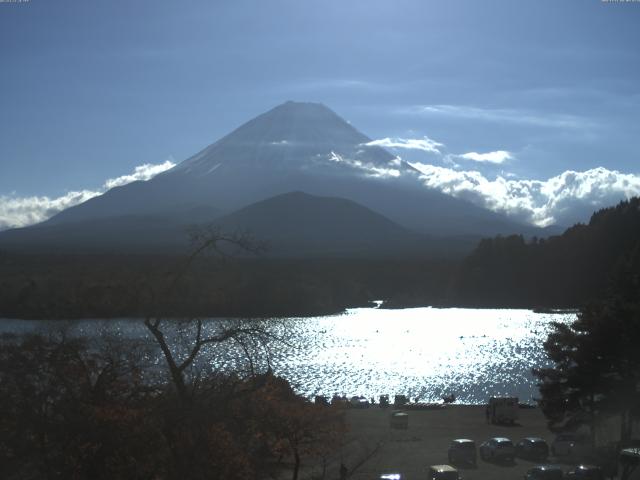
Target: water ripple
x,y
423,353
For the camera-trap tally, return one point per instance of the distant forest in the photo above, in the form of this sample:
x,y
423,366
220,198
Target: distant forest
x,y
91,286
565,271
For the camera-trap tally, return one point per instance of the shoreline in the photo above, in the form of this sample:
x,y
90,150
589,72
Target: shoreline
x,y
544,311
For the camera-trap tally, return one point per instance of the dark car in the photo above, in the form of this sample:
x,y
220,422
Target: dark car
x,y
572,445
322,400
358,402
532,448
545,472
498,448
586,472
462,451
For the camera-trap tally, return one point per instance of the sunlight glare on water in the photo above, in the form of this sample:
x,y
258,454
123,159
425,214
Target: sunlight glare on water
x,y
421,352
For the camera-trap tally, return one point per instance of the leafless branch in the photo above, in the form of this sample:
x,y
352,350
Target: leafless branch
x,y
207,239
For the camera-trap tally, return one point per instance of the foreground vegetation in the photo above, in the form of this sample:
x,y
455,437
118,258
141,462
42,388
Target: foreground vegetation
x,y
74,409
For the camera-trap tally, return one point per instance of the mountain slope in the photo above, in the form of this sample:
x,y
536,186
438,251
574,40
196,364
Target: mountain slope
x,y
297,147
297,223
150,233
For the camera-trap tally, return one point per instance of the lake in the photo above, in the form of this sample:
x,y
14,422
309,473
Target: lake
x,y
424,353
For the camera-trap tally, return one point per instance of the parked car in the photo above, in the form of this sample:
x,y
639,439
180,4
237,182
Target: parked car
x,y
339,400
399,420
532,448
463,451
400,400
498,448
321,400
358,402
545,472
585,472
571,445
443,472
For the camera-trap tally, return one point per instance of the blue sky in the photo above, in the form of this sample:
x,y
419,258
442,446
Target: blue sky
x,y
91,90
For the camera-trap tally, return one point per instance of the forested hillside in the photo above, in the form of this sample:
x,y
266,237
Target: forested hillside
x,y
562,271
82,286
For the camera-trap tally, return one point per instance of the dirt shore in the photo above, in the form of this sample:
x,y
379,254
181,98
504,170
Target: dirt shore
x,y
426,440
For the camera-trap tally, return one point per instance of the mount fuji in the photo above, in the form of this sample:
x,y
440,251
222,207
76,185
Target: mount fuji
x,y
295,147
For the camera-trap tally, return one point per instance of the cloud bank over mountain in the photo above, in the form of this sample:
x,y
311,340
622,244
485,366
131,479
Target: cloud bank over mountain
x,y
23,211
562,199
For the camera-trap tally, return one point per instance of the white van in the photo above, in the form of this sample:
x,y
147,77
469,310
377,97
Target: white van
x,y
503,410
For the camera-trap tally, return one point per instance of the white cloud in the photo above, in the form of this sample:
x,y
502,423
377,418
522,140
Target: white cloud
x,y
425,144
503,115
563,199
140,173
368,168
499,156
24,211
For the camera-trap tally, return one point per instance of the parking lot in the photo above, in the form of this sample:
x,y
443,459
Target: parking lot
x,y
426,440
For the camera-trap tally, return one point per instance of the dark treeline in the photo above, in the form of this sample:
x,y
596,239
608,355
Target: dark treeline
x,y
102,286
74,409
564,271
558,272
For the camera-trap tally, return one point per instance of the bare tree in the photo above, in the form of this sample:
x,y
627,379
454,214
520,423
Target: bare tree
x,y
246,334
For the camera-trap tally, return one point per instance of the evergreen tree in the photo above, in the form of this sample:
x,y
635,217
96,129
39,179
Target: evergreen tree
x,y
596,371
